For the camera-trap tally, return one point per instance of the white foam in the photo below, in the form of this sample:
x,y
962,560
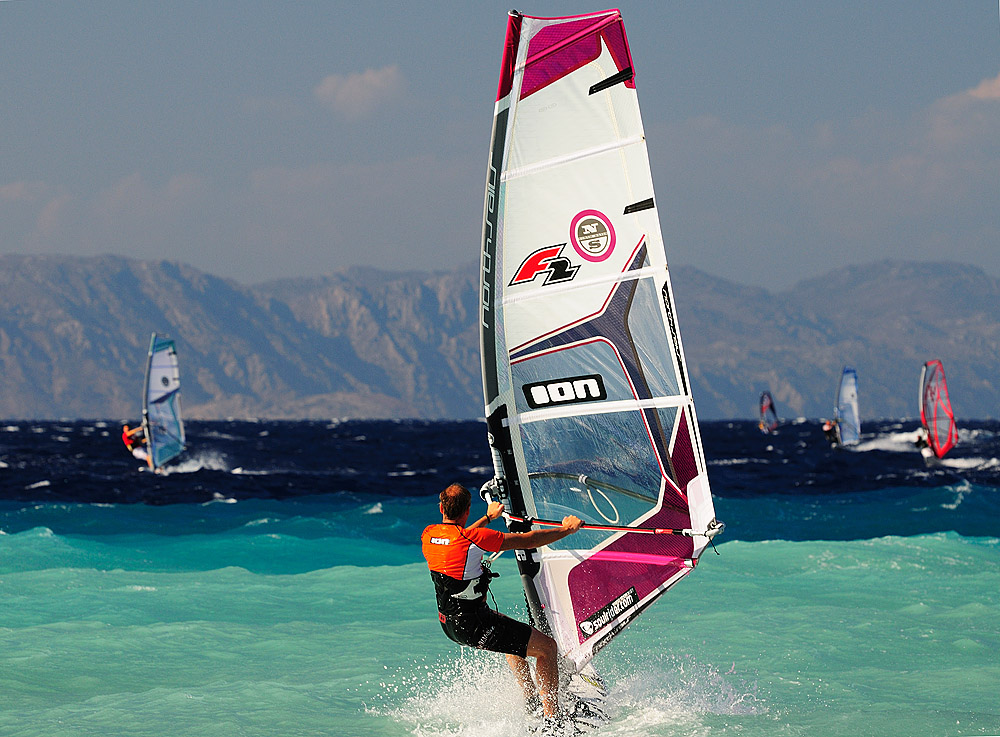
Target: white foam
x,y
437,699
893,442
208,461
240,471
218,498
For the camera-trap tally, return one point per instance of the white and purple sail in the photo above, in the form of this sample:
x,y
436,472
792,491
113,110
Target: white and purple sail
x,y
588,400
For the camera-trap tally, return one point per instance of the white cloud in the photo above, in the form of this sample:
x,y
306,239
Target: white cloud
x,y
22,192
767,204
358,95
988,89
969,119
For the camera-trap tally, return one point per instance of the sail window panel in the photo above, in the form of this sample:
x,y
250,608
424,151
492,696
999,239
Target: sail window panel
x,y
647,330
613,451
166,432
563,118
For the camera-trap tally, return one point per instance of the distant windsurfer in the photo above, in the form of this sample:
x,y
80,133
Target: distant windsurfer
x,y
454,554
924,446
830,432
135,440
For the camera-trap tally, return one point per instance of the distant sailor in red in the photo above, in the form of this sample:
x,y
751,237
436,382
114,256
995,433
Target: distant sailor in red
x,y
454,555
135,441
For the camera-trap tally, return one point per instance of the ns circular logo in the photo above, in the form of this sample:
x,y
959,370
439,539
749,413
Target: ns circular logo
x,y
592,235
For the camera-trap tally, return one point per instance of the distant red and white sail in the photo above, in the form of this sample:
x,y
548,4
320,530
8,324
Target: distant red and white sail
x,y
587,394
768,422
935,409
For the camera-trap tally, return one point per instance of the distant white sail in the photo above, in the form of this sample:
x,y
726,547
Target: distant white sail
x,y
161,409
587,394
846,408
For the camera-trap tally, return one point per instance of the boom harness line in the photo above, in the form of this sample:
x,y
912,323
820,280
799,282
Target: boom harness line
x,y
714,527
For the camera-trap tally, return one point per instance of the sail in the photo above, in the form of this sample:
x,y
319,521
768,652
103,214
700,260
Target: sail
x,y
588,401
161,409
935,409
768,413
846,408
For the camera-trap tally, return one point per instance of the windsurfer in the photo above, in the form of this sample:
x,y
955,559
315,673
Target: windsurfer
x,y
924,446
454,554
135,440
830,431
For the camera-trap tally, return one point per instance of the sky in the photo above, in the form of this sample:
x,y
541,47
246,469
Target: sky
x,y
261,140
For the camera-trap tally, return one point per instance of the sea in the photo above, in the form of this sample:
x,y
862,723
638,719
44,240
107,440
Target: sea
x,y
271,584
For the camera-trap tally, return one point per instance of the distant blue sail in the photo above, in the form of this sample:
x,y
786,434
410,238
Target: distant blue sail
x,y
848,418
161,409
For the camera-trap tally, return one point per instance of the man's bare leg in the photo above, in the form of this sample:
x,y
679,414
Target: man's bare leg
x,y
545,652
522,672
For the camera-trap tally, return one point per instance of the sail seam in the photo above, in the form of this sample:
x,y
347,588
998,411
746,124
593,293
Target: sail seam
x,y
569,158
554,290
624,405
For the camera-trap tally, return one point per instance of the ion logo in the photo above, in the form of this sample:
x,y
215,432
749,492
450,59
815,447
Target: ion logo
x,y
549,261
576,389
592,235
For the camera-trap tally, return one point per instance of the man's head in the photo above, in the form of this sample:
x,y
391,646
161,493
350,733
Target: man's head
x,y
455,501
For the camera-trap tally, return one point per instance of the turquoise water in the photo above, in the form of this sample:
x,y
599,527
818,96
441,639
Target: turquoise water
x,y
315,616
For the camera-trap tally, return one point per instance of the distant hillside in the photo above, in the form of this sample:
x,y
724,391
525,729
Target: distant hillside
x,y
369,343
885,319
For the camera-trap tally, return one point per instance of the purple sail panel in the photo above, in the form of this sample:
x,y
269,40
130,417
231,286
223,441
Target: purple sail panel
x,y
559,50
509,55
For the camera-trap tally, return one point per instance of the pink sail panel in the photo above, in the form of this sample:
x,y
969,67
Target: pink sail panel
x,y
559,50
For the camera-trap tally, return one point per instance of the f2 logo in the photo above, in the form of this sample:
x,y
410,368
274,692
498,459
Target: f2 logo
x,y
549,261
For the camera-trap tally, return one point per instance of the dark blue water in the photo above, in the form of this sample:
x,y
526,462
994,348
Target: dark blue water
x,y
789,485
85,461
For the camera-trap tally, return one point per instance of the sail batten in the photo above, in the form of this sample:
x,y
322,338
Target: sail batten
x,y
622,406
571,158
585,385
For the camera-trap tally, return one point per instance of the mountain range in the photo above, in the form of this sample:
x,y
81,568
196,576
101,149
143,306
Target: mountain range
x,y
367,343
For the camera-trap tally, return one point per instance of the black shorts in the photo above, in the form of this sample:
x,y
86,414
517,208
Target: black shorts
x,y
483,628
